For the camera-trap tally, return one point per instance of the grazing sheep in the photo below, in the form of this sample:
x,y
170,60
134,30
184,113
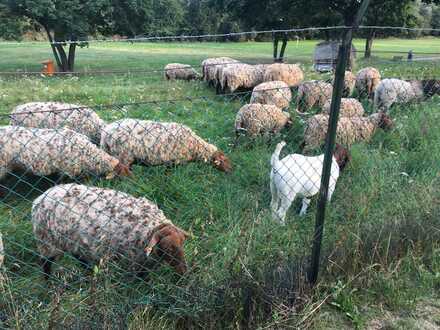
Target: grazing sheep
x,y
240,76
255,119
94,223
349,107
275,93
210,67
300,175
2,252
54,151
291,74
178,71
349,130
392,91
349,84
313,93
56,115
367,79
156,143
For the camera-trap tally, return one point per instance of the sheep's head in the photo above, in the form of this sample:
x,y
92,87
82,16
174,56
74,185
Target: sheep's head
x,y
221,162
431,87
167,244
342,156
123,170
385,122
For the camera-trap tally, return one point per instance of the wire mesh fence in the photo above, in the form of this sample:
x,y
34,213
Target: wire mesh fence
x,y
196,201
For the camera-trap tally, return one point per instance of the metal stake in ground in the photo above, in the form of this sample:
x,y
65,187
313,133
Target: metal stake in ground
x,y
344,53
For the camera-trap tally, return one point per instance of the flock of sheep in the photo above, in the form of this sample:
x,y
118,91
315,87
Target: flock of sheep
x,y
92,223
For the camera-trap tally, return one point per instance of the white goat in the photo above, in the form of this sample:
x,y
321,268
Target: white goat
x,y
300,175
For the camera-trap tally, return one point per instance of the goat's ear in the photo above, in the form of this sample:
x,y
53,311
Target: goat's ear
x,y
153,242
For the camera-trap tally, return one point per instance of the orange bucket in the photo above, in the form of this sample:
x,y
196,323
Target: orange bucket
x,y
48,67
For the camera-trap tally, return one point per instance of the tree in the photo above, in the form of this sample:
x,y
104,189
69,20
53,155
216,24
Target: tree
x,y
11,27
63,21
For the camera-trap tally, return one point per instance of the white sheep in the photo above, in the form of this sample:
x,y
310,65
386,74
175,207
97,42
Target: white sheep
x,y
367,80
349,84
210,67
93,223
350,107
300,175
240,77
54,151
291,74
396,91
56,115
349,129
313,93
158,143
275,93
255,119
178,71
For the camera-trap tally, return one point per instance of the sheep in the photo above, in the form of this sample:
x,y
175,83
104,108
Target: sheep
x,y
210,67
349,130
174,71
157,143
240,76
349,83
392,91
367,80
54,151
93,223
2,252
255,119
349,108
300,175
313,93
56,115
275,93
291,74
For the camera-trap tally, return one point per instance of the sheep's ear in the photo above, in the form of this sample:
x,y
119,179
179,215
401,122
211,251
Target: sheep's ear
x,y
153,242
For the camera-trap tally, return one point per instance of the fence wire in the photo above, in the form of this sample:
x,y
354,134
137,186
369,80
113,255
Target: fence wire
x,y
186,206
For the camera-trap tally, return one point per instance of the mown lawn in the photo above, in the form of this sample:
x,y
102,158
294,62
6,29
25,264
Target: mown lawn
x,y
382,230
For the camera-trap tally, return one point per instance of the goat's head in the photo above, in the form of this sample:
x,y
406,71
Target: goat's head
x,y
221,162
167,244
342,156
431,87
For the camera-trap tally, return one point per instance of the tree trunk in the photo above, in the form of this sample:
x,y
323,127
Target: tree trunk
x,y
369,44
63,57
71,59
55,54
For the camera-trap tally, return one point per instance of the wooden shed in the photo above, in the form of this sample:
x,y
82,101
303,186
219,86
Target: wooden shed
x,y
326,55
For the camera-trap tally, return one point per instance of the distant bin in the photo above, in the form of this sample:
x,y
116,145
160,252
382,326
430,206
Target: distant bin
x,y
48,68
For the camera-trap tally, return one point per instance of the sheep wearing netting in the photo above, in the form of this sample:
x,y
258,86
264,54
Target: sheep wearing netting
x,y
350,107
257,119
313,93
210,67
94,224
56,115
158,143
275,93
44,152
349,129
2,252
396,91
367,80
349,83
240,77
291,74
178,71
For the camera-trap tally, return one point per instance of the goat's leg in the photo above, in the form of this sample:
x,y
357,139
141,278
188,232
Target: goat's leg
x,y
275,199
305,205
283,208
